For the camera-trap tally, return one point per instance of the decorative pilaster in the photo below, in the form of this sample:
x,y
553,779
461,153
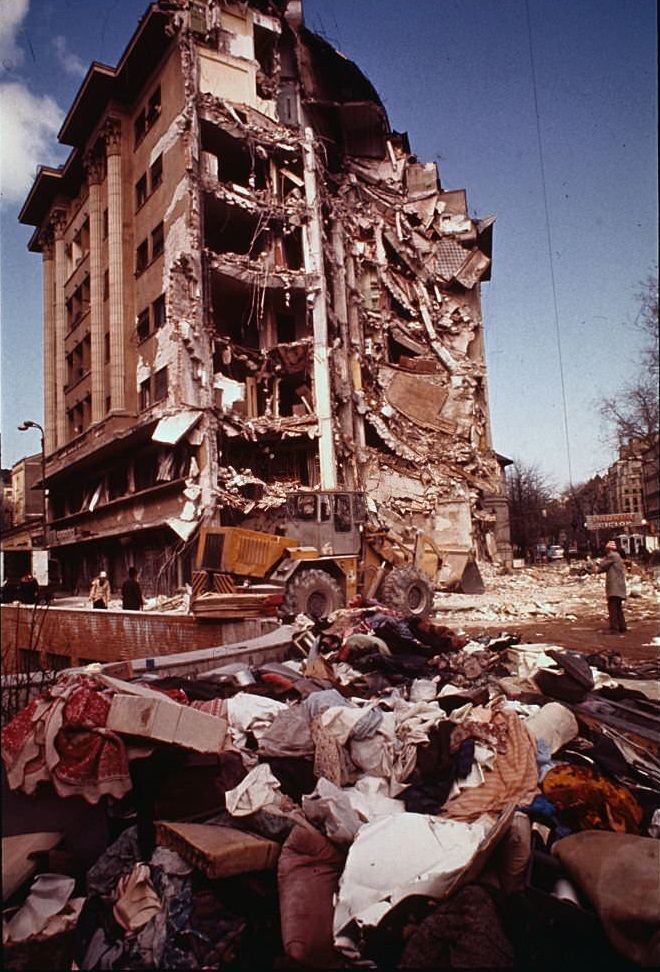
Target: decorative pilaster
x,y
112,134
50,401
94,169
58,224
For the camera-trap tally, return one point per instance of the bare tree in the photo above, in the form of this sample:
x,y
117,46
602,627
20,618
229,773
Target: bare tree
x,y
530,493
632,412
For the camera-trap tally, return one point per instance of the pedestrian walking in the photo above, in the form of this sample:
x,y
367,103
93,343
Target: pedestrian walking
x,y
615,586
131,592
99,593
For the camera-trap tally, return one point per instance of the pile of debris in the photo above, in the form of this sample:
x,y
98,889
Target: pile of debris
x,y
391,794
537,592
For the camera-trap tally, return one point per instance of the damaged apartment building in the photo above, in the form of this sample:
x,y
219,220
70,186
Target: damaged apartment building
x,y
250,286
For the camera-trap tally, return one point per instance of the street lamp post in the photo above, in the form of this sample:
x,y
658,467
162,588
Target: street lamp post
x,y
23,427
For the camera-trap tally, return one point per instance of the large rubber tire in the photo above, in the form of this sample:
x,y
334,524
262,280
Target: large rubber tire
x,y
314,593
408,591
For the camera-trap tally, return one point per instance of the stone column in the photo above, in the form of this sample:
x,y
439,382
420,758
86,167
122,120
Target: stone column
x,y
50,404
58,223
112,134
94,170
313,263
340,305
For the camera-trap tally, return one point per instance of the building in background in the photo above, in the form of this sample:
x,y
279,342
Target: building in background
x,y
624,481
251,284
6,500
650,457
23,530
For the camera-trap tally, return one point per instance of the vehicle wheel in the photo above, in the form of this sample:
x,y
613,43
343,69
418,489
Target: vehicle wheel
x,y
314,593
408,591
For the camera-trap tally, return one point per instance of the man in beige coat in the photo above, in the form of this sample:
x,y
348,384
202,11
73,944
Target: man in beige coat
x,y
99,593
615,586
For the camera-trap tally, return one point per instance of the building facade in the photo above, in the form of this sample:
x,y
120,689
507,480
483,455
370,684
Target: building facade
x,y
625,486
251,284
650,456
22,538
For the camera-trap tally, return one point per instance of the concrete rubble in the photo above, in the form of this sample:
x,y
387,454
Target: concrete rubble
x,y
565,592
333,803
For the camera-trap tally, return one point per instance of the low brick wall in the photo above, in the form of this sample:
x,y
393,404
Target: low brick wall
x,y
63,637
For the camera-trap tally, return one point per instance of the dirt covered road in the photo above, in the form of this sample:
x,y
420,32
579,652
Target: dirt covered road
x,y
586,635
560,605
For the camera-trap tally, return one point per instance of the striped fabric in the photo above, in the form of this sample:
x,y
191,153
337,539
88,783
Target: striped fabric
x,y
513,778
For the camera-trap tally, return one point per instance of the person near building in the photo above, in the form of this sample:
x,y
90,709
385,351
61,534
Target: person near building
x,y
99,593
615,586
29,589
131,592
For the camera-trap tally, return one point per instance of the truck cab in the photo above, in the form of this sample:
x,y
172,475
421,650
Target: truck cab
x,y
330,521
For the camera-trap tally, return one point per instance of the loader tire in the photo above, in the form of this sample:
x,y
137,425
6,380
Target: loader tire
x,y
408,591
314,593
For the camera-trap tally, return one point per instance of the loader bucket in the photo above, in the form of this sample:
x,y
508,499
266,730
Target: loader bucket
x,y
471,581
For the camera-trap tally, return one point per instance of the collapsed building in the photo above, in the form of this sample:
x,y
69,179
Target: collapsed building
x,y
252,285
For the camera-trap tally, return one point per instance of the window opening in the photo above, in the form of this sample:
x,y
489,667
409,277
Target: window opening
x,y
145,394
156,173
160,385
157,241
158,309
342,513
142,257
141,191
153,108
143,325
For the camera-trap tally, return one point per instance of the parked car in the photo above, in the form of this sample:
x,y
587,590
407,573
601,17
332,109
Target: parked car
x,y
555,552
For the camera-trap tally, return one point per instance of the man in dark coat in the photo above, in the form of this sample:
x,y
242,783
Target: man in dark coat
x,y
131,592
615,586
29,589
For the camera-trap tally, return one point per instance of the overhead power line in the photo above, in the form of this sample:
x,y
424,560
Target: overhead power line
x,y
550,251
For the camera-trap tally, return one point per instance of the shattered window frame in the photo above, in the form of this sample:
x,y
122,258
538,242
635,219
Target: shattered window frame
x,y
160,385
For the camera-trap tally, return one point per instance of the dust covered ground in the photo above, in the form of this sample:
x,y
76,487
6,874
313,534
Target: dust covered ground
x,y
560,605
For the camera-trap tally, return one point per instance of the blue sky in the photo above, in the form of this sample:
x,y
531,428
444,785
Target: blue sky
x,y
454,74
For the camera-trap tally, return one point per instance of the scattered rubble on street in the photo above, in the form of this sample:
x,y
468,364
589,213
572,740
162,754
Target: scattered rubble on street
x,y
390,792
568,592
